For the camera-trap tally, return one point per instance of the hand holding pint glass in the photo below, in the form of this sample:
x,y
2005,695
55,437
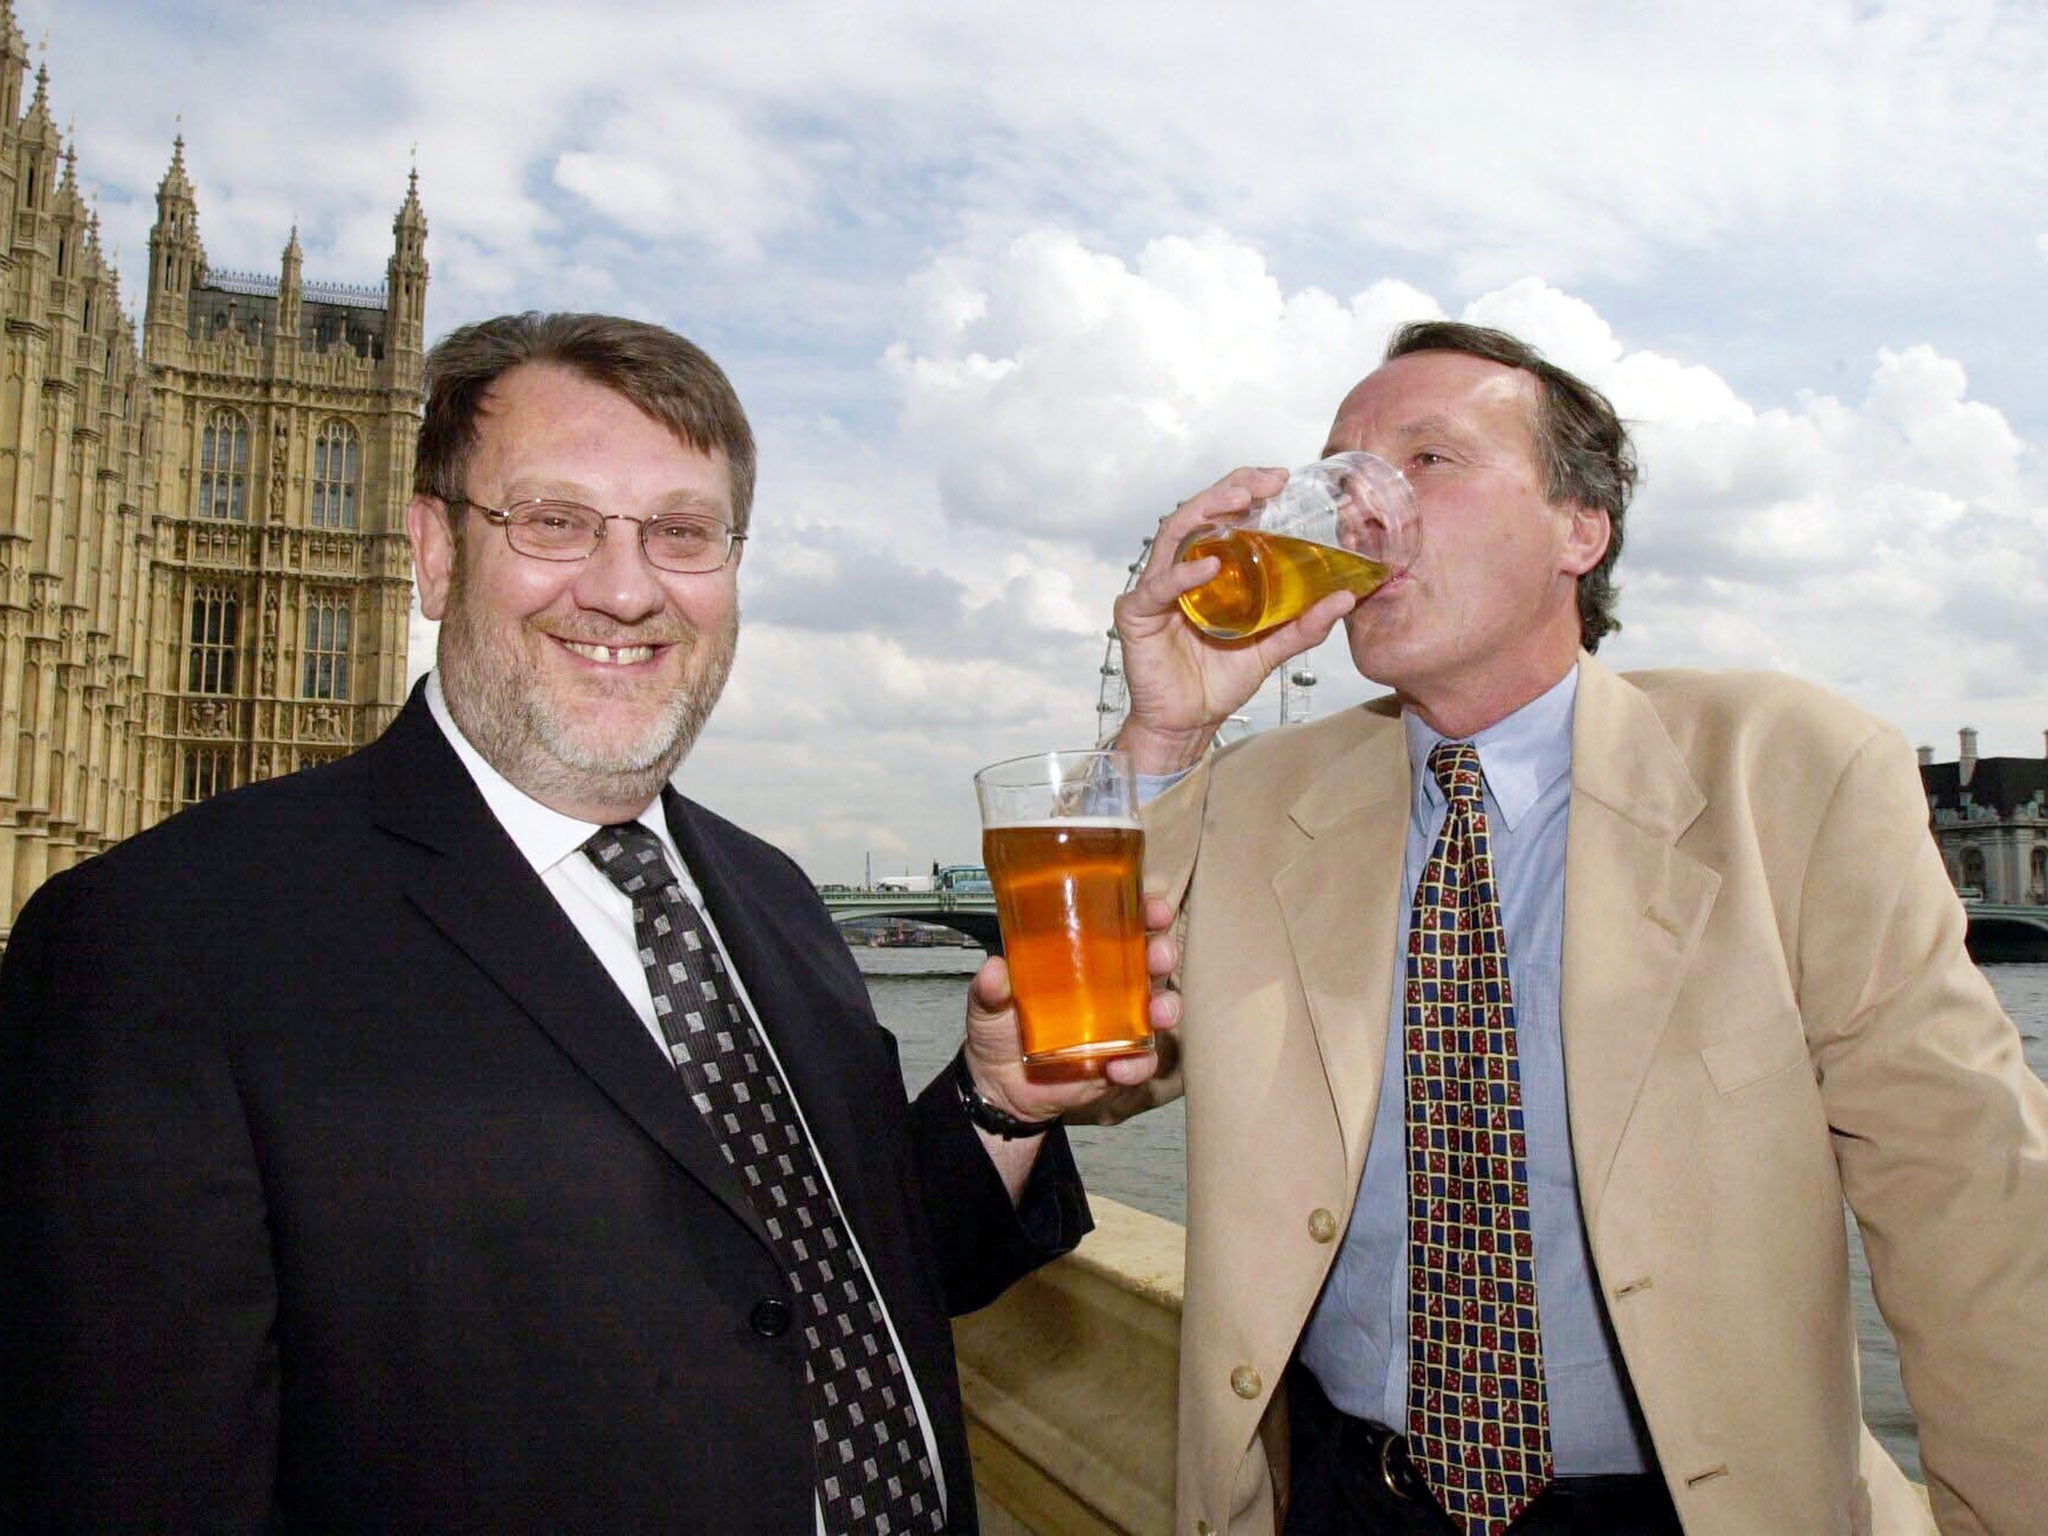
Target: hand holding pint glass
x,y
1346,524
1064,851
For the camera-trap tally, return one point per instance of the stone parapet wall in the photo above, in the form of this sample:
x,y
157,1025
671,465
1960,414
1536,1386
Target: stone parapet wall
x,y
1070,1385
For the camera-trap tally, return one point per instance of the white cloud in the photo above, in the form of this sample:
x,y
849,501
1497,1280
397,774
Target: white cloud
x,y
1095,282
1565,328
1966,444
1057,396
679,166
1892,547
1464,144
917,606
1058,391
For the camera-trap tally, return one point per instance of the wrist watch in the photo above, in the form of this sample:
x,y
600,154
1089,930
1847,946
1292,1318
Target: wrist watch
x,y
997,1122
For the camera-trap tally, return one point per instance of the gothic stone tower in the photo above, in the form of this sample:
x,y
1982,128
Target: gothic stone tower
x,y
204,577
73,560
280,443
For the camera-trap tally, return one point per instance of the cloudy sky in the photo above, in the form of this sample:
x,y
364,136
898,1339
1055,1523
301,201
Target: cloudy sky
x,y
1000,284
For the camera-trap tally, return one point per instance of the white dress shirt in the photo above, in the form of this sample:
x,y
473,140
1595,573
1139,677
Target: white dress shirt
x,y
603,914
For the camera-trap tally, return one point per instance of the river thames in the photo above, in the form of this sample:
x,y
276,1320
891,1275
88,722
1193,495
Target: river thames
x,y
921,995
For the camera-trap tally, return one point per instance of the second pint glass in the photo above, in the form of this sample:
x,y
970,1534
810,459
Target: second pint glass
x,y
1064,851
1346,524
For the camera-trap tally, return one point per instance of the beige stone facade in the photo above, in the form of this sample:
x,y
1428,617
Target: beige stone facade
x,y
204,576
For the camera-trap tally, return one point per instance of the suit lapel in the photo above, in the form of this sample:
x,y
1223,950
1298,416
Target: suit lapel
x,y
1635,908
486,899
1355,816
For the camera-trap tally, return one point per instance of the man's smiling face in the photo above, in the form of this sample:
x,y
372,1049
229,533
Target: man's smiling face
x,y
583,682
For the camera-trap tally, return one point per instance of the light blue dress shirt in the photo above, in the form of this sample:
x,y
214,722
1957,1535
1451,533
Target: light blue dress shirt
x,y
1357,1339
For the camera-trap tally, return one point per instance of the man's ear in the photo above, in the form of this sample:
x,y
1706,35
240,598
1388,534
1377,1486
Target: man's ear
x,y
1585,541
433,552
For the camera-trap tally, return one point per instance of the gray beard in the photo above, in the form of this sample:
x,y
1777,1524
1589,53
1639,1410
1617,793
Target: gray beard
x,y
500,706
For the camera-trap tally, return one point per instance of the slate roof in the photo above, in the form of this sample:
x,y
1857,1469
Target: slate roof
x,y
2005,786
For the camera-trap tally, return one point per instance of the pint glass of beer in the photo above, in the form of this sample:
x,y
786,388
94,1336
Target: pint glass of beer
x,y
1061,839
1346,524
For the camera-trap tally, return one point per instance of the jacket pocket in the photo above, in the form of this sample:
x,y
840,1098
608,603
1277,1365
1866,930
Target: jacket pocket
x,y
1744,1060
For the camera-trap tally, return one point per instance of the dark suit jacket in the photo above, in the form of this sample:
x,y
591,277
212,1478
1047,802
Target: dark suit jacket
x,y
343,1190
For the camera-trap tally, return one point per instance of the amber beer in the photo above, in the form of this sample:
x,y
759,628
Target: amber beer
x,y
1268,578
1065,854
1071,906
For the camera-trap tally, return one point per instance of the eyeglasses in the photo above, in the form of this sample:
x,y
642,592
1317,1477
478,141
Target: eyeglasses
x,y
568,531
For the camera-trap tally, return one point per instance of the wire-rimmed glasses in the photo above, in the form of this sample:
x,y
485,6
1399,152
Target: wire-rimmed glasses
x,y
684,542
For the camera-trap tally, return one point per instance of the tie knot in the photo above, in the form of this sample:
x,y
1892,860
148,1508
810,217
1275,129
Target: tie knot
x,y
630,857
1456,766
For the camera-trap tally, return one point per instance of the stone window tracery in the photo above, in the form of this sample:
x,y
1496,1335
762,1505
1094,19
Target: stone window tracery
x,y
205,775
224,467
216,639
328,622
337,475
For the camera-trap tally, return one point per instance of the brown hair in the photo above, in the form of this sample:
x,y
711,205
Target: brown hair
x,y
668,377
1587,453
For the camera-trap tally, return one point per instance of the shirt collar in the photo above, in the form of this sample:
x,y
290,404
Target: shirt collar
x,y
543,835
1520,756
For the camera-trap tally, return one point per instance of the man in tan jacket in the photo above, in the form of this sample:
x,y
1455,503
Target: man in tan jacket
x,y
1736,995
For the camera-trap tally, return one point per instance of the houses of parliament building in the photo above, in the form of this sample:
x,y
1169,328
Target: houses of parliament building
x,y
204,574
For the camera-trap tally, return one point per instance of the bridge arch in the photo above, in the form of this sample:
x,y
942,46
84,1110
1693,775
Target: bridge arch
x,y
971,915
2003,936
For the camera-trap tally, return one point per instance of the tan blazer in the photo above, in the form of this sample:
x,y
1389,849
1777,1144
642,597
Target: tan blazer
x,y
1766,1008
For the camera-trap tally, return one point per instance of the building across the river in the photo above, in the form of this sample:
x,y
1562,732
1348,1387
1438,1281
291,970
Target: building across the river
x,y
1990,818
204,576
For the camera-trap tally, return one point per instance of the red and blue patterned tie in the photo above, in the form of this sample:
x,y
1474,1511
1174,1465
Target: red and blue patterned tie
x,y
1478,1416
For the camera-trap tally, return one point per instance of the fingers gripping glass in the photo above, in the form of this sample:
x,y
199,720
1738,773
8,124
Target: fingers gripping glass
x,y
567,530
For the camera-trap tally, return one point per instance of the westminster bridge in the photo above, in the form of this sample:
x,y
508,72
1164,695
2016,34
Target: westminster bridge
x,y
969,912
1998,930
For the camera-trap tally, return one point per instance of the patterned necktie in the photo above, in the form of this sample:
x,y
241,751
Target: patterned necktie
x,y
873,1472
1478,1416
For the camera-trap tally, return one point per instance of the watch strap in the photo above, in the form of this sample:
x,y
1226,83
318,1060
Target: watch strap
x,y
986,1116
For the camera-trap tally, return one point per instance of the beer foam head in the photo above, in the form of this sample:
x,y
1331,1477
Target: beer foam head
x,y
1068,823
1079,787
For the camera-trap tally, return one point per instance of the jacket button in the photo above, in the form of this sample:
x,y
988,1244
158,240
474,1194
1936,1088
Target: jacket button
x,y
1245,1382
1322,1226
770,1318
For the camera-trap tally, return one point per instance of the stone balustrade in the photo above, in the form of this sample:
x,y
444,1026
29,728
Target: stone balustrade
x,y
1069,1382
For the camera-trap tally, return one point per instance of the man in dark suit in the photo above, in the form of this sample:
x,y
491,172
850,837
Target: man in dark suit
x,y
474,1134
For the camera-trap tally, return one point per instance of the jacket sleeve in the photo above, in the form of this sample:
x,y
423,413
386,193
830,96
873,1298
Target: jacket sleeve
x,y
1940,1129
138,1384
984,1242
